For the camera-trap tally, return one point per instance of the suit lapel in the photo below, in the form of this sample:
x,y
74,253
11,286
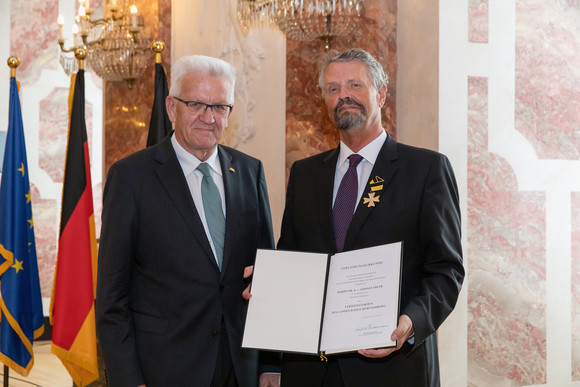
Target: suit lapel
x,y
385,168
232,188
171,175
323,180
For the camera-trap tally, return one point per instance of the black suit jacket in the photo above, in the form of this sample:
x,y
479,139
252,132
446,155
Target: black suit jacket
x,y
160,295
419,205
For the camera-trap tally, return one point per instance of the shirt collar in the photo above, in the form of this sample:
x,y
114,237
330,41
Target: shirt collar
x,y
370,152
189,162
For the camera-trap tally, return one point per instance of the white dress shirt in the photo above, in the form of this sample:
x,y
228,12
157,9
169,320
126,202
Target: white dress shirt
x,y
189,164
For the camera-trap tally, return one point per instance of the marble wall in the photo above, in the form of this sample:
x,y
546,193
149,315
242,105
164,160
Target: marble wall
x,y
508,108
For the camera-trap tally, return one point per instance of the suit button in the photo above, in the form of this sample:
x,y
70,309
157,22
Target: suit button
x,y
222,287
215,334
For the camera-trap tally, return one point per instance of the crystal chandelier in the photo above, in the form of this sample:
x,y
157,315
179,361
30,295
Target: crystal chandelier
x,y
116,48
303,19
253,13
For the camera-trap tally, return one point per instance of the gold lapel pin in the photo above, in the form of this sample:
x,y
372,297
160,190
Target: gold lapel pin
x,y
377,180
371,200
232,170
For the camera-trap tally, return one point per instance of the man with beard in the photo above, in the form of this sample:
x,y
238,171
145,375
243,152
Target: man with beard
x,y
397,193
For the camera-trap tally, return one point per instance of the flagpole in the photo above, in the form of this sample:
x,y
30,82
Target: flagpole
x,y
13,63
81,55
158,47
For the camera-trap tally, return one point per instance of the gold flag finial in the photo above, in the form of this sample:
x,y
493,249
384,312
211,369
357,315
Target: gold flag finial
x,y
158,47
13,63
81,55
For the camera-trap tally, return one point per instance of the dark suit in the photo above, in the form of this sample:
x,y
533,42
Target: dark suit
x,y
162,303
418,205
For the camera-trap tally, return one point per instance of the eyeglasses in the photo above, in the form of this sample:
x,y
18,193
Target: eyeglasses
x,y
195,107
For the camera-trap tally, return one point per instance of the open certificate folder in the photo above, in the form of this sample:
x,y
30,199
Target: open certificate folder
x,y
312,303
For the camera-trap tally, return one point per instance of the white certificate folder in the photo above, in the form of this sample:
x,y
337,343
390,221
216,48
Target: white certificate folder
x,y
312,303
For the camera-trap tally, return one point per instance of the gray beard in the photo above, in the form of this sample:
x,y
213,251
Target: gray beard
x,y
349,120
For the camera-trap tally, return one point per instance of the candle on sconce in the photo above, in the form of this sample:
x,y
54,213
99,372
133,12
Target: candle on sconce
x,y
113,3
75,31
87,6
134,16
60,22
81,18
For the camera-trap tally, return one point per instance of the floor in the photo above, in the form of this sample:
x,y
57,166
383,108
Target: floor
x,y
47,371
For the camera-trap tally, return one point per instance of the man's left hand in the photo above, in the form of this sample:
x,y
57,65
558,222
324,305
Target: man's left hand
x,y
248,271
402,333
270,380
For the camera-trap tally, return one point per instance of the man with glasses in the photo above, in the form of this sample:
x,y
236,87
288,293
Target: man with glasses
x,y
181,221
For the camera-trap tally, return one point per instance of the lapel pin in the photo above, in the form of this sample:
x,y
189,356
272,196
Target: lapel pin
x,y
377,180
232,170
371,200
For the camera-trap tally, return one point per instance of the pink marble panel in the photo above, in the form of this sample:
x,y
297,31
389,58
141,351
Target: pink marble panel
x,y
506,236
46,224
548,76
33,35
575,216
53,136
308,128
128,111
53,133
478,29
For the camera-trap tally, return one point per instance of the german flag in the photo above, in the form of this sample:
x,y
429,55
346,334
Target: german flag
x,y
72,310
159,125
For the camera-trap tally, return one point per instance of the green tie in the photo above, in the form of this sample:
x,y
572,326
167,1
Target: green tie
x,y
214,215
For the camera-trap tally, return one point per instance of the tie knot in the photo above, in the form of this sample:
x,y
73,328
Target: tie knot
x,y
204,169
354,160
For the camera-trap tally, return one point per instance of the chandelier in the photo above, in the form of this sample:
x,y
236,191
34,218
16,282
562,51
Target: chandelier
x,y
253,13
116,48
303,19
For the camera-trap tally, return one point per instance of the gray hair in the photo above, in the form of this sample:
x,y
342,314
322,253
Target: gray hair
x,y
202,64
375,69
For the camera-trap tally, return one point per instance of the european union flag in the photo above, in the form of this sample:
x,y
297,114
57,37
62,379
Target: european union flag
x,y
21,318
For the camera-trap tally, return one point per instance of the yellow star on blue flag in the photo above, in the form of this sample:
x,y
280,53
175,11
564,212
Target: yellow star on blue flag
x,y
18,266
21,316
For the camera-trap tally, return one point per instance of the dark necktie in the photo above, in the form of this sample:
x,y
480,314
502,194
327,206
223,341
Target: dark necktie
x,y
345,201
214,215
